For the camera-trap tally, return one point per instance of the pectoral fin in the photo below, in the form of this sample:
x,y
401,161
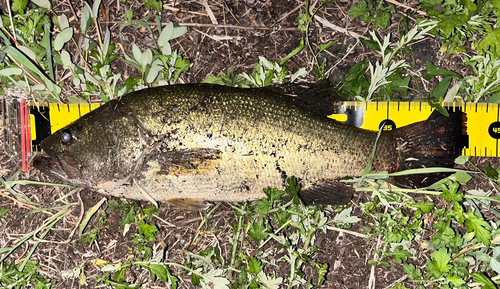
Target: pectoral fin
x,y
188,161
330,192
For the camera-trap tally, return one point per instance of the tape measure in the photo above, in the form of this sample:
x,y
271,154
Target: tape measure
x,y
483,122
25,126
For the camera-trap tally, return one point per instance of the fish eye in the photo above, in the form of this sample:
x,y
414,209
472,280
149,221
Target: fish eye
x,y
66,136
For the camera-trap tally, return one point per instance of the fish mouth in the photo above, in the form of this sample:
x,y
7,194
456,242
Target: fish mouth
x,y
59,169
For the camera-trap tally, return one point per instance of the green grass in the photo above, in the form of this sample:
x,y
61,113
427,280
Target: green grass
x,y
463,246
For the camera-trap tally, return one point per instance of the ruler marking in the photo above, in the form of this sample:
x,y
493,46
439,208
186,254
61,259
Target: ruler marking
x,y
23,136
498,111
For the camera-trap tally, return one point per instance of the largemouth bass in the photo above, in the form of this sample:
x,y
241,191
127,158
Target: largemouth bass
x,y
188,144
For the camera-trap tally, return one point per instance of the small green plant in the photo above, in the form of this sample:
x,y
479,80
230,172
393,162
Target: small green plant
x,y
385,76
458,255
289,224
485,82
460,21
3,212
264,73
26,272
91,236
158,5
140,255
229,78
141,218
280,219
30,64
12,276
164,66
375,10
114,274
304,22
459,24
483,85
23,61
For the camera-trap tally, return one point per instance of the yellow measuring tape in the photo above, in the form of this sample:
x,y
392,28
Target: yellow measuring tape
x,y
483,124
48,118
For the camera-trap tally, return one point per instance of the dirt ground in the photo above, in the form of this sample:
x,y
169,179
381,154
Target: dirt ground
x,y
238,34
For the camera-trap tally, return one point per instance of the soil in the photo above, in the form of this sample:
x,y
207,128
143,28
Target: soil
x,y
240,32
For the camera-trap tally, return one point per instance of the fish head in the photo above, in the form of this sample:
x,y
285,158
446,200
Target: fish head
x,y
98,148
64,154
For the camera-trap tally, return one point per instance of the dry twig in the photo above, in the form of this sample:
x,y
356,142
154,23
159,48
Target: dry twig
x,y
23,203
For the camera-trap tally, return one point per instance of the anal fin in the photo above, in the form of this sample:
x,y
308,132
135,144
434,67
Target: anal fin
x,y
330,192
189,204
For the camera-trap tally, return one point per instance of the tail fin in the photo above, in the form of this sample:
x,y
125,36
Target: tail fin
x,y
329,192
435,142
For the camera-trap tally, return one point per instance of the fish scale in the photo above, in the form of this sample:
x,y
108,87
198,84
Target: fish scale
x,y
265,140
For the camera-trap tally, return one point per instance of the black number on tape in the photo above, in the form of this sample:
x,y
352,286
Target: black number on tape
x,y
494,130
387,124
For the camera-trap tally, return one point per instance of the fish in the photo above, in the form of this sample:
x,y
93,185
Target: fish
x,y
191,144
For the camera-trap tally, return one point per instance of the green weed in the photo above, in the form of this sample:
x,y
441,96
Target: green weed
x,y
12,276
369,10
304,22
30,63
285,222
